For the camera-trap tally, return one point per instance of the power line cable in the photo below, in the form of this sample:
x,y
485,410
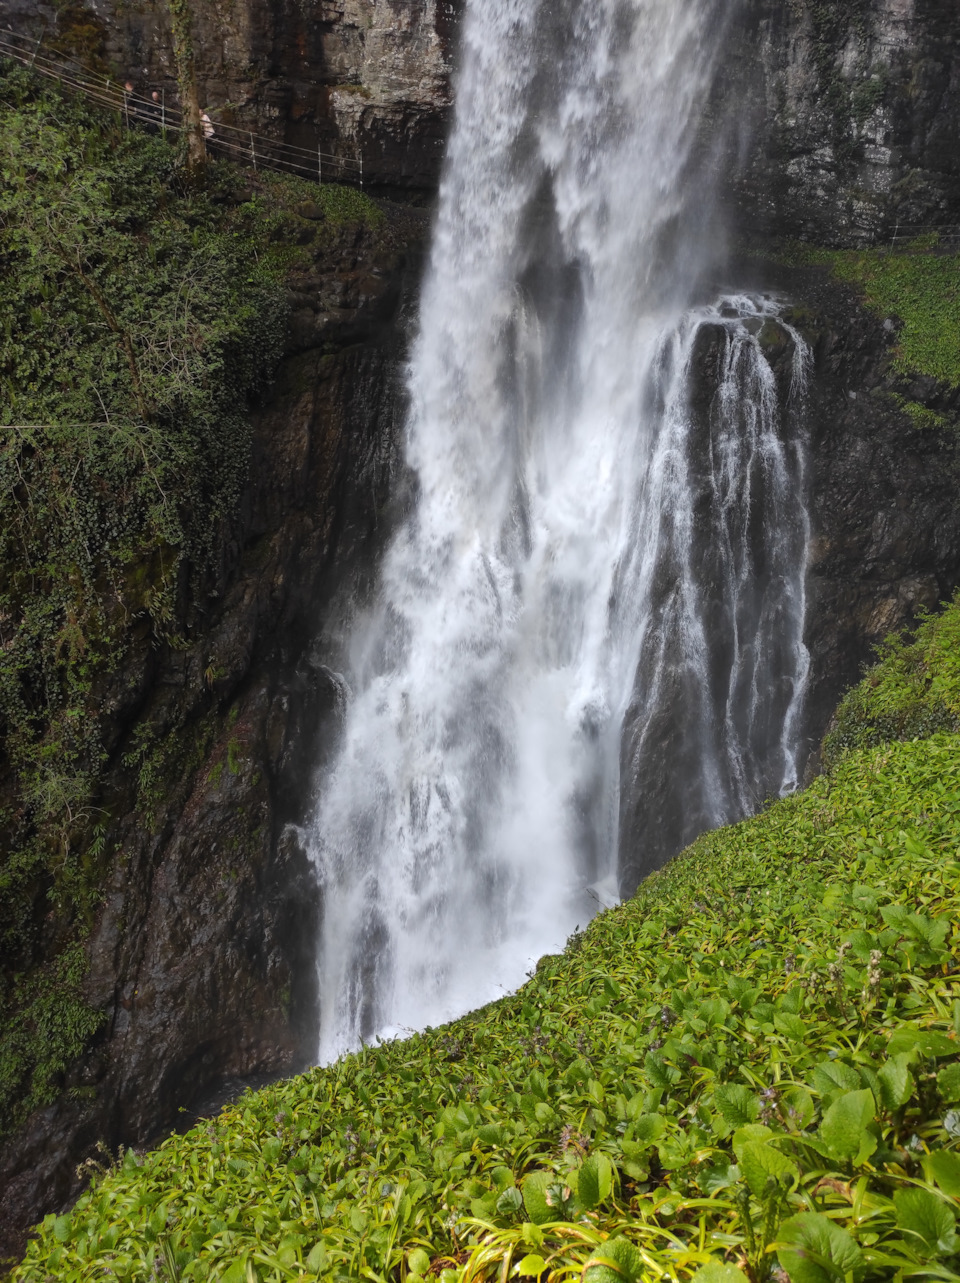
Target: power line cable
x,y
140,110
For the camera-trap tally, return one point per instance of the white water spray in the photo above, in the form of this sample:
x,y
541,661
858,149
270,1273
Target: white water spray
x,y
548,578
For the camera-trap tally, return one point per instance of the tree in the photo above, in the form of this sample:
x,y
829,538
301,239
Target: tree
x,y
187,81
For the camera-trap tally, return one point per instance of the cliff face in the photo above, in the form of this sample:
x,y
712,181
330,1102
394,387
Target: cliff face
x,y
837,123
843,128
846,132
885,524
355,77
201,955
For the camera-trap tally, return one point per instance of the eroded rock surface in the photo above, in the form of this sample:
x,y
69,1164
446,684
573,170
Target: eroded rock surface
x,y
847,131
202,953
366,78
885,530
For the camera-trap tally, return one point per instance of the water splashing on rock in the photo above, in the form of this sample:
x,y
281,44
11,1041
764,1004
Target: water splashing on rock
x,y
608,525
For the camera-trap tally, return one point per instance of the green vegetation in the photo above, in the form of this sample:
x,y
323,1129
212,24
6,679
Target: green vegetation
x,y
913,692
749,1071
920,286
139,315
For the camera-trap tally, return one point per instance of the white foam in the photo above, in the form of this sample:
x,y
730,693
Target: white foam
x,y
469,823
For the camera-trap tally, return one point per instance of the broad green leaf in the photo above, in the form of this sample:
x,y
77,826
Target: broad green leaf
x,y
924,1042
943,1168
931,932
647,1129
896,1082
594,1181
797,1107
896,916
531,1266
759,1161
790,1025
598,1270
625,1256
948,1083
833,1075
743,1136
532,1234
545,1114
812,1249
271,1149
418,1262
927,1218
736,1104
535,1186
509,1202
716,1272
791,1001
485,1207
658,1071
861,943
636,1105
844,1127
721,1175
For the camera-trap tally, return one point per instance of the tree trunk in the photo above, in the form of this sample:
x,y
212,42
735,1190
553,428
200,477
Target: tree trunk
x,y
187,82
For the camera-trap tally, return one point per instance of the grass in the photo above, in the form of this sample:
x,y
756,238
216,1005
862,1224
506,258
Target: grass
x,y
748,1071
920,286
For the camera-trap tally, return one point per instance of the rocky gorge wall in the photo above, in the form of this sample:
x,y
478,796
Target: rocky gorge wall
x,y
355,77
846,119
884,519
201,956
201,953
843,126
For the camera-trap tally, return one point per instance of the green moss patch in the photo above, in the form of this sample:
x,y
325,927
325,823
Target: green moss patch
x,y
920,286
749,1069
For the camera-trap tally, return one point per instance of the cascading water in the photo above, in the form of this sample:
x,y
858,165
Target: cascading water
x,y
569,555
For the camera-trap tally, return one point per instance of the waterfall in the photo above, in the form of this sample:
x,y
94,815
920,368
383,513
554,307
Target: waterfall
x,y
590,537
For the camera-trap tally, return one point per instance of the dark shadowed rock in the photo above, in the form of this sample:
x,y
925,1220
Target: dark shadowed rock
x,y
885,545
202,952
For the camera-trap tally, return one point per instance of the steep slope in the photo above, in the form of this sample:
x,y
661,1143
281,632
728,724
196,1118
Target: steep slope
x,y
749,1069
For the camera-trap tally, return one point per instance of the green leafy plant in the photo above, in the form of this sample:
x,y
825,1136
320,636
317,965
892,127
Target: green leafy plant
x,y
746,1071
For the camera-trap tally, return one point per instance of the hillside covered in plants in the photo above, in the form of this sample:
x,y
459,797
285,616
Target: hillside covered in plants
x,y
369,595
748,1071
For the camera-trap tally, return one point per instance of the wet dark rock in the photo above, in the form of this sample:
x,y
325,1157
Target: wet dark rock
x,y
310,209
885,545
202,952
847,131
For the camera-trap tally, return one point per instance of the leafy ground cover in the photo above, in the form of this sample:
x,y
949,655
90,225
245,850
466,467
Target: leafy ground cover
x,y
139,318
919,285
748,1071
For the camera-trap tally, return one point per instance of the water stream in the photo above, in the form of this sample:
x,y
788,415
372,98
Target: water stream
x,y
592,539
